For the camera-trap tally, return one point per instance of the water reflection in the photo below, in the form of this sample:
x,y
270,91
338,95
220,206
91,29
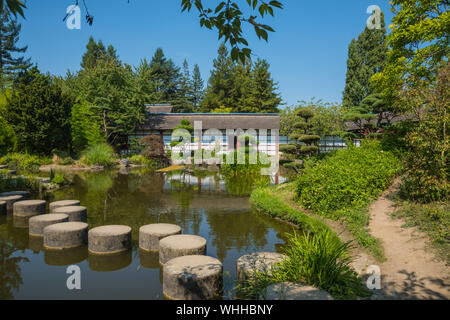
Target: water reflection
x,y
202,203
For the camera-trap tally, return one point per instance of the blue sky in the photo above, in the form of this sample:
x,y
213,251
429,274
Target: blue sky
x,y
307,53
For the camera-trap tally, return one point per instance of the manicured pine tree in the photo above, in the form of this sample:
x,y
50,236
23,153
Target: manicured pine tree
x,y
9,36
306,143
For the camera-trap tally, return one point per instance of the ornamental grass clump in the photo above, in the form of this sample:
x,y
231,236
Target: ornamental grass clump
x,y
99,155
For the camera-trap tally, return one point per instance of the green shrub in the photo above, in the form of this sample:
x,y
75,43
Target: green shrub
x,y
99,155
141,160
24,162
350,179
342,187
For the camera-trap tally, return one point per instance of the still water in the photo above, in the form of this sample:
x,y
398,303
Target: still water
x,y
206,205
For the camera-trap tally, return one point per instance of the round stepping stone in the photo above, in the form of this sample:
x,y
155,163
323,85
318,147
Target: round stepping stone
x,y
63,203
150,235
38,223
195,277
260,261
293,291
2,167
10,200
29,208
110,262
65,235
181,245
75,213
109,239
25,194
2,208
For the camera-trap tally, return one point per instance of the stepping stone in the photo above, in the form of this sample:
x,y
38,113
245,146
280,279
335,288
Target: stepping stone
x,y
260,261
29,208
63,203
150,235
65,235
75,213
25,194
181,245
38,223
2,208
195,277
10,200
2,167
109,239
110,262
293,291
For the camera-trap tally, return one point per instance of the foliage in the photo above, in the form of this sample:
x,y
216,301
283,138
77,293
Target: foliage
x,y
10,63
24,162
39,113
342,186
14,6
351,178
366,57
85,128
7,137
426,163
418,44
361,103
305,142
266,201
244,87
227,18
432,218
99,155
327,118
154,149
316,259
141,160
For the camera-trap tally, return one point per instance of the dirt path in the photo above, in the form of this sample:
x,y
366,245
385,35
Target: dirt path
x,y
410,271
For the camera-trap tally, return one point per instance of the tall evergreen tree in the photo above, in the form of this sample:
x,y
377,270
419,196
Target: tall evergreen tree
x,y
9,36
197,87
165,75
96,52
241,86
263,97
366,56
184,102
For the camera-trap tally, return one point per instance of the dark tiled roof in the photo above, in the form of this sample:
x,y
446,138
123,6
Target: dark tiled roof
x,y
213,121
159,108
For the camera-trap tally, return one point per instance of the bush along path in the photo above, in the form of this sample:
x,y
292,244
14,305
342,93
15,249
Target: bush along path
x,y
411,270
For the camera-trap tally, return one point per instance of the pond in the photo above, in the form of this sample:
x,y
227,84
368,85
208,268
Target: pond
x,y
203,204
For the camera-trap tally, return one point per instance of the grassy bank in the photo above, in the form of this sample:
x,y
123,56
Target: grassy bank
x,y
316,256
341,187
